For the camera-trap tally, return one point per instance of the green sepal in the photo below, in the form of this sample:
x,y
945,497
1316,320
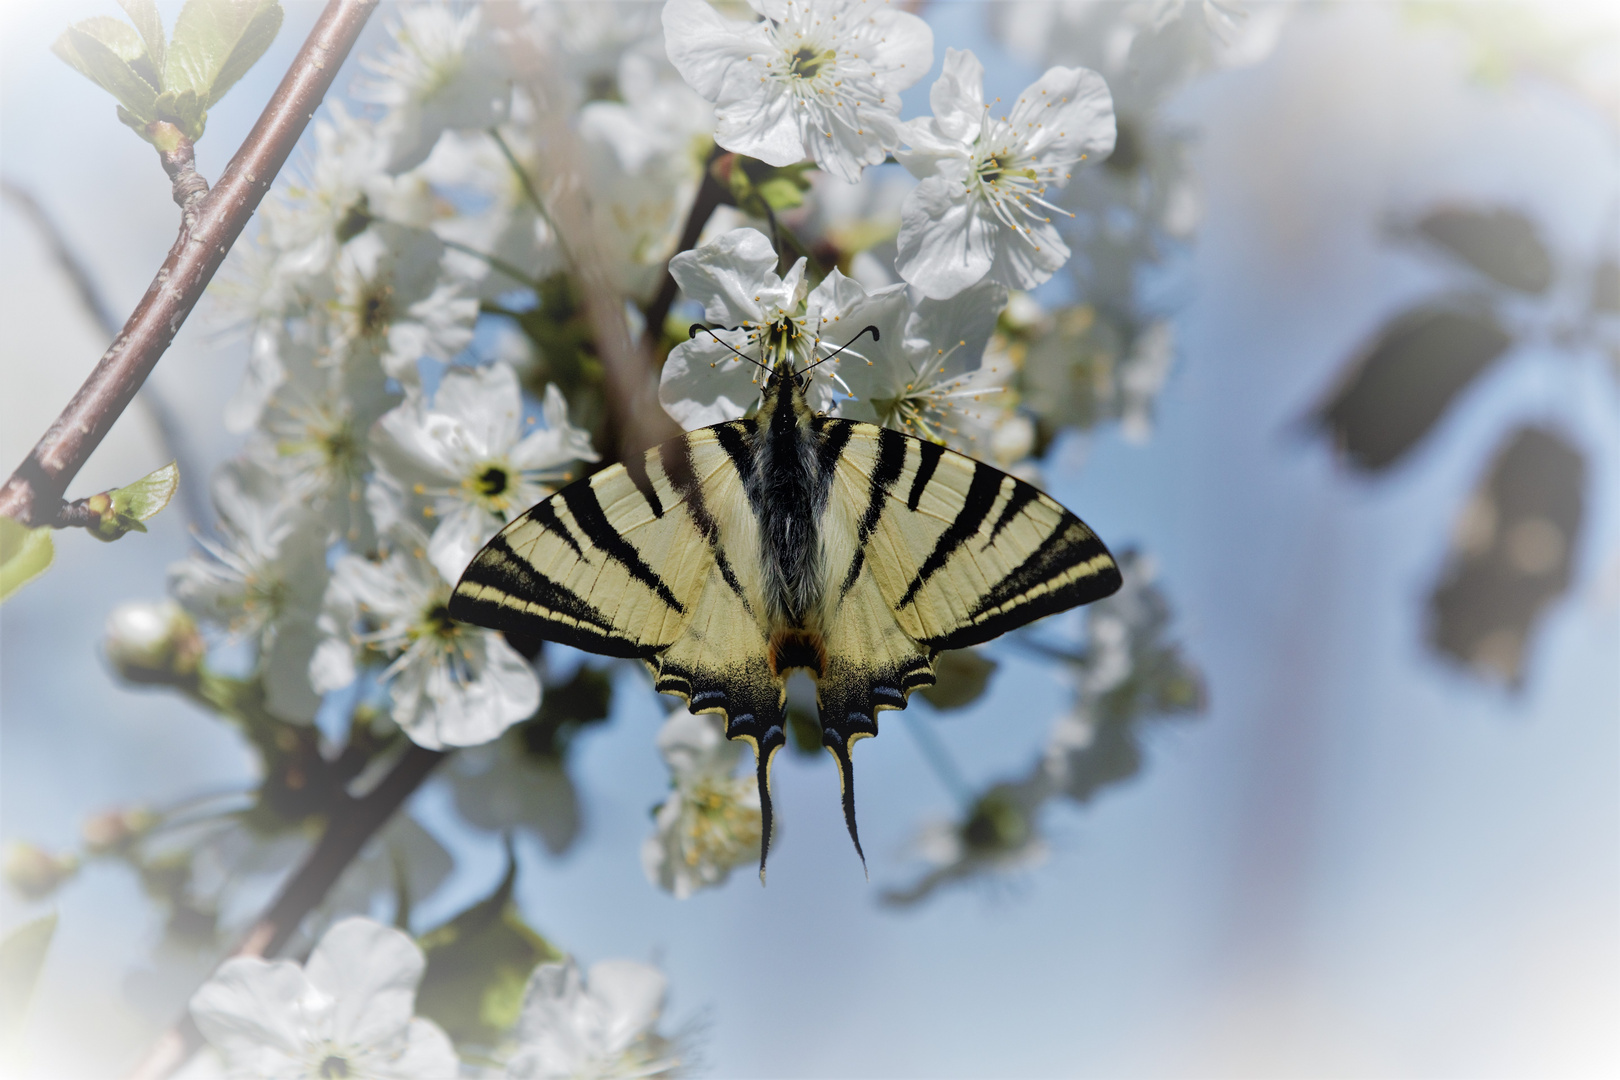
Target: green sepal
x,y
123,510
759,189
215,42
24,554
478,964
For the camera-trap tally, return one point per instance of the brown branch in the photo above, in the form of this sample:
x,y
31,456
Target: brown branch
x,y
211,223
710,194
352,823
156,403
635,420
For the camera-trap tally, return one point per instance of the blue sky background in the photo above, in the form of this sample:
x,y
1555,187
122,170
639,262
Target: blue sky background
x,y
1357,861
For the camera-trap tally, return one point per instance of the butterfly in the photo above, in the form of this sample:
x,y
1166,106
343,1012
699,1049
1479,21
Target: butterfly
x,y
730,556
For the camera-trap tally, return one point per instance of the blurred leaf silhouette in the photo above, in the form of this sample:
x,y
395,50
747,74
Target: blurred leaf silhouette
x,y
1397,388
1501,244
1510,554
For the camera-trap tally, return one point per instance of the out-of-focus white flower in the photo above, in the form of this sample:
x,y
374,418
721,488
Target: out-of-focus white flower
x,y
716,377
465,464
450,684
711,821
981,209
998,835
347,1012
333,198
264,581
313,430
392,303
936,382
152,642
817,78
442,72
600,1027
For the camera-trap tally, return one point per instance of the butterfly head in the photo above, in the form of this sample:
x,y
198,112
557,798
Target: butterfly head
x,y
777,344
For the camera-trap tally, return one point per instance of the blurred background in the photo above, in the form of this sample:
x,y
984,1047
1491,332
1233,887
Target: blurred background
x,y
1373,468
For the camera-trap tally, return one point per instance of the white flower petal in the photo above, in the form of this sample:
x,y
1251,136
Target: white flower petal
x,y
370,971
944,245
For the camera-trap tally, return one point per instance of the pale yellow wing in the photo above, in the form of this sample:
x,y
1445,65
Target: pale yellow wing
x,y
925,550
620,562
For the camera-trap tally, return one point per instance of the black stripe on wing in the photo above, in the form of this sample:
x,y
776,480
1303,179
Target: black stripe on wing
x,y
981,496
1070,546
676,458
636,468
891,461
497,588
582,502
931,453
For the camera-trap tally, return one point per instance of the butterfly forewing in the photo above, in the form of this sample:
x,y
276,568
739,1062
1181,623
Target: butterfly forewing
x,y
614,564
960,551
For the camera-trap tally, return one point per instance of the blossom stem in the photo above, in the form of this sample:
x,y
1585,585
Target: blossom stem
x,y
494,263
352,823
210,225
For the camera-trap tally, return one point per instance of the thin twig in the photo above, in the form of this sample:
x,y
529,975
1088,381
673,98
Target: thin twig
x,y
710,194
635,420
353,822
170,432
210,225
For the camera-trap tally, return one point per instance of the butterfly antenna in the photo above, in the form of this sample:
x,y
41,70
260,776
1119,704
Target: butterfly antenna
x,y
700,328
841,348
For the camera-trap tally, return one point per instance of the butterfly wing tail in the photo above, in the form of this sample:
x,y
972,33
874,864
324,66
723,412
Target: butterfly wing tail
x,y
851,696
750,698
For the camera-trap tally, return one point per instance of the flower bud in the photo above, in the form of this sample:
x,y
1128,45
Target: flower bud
x,y
114,830
34,872
153,642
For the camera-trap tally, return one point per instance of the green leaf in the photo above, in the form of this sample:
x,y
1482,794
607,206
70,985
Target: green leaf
x,y
215,43
87,47
781,193
24,554
960,678
22,956
478,964
184,110
149,24
1502,244
122,510
1398,388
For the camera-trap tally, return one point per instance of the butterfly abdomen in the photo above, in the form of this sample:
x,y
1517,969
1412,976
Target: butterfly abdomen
x,y
788,491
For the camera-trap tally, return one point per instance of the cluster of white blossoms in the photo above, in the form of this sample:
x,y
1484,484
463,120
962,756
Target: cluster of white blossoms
x,y
349,1012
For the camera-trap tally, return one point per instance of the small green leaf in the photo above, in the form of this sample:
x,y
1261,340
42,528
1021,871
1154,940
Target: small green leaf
x,y
86,46
478,964
24,554
215,43
122,510
22,956
149,24
961,676
781,193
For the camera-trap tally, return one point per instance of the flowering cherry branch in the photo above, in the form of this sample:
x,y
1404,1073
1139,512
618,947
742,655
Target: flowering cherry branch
x,y
352,823
211,224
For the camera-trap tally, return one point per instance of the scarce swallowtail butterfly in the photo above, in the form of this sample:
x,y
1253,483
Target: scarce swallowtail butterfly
x,y
732,555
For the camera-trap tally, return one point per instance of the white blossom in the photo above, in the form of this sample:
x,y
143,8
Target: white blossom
x,y
981,209
263,581
441,72
392,303
936,382
346,1012
464,463
717,377
450,684
810,78
593,1028
313,431
710,823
